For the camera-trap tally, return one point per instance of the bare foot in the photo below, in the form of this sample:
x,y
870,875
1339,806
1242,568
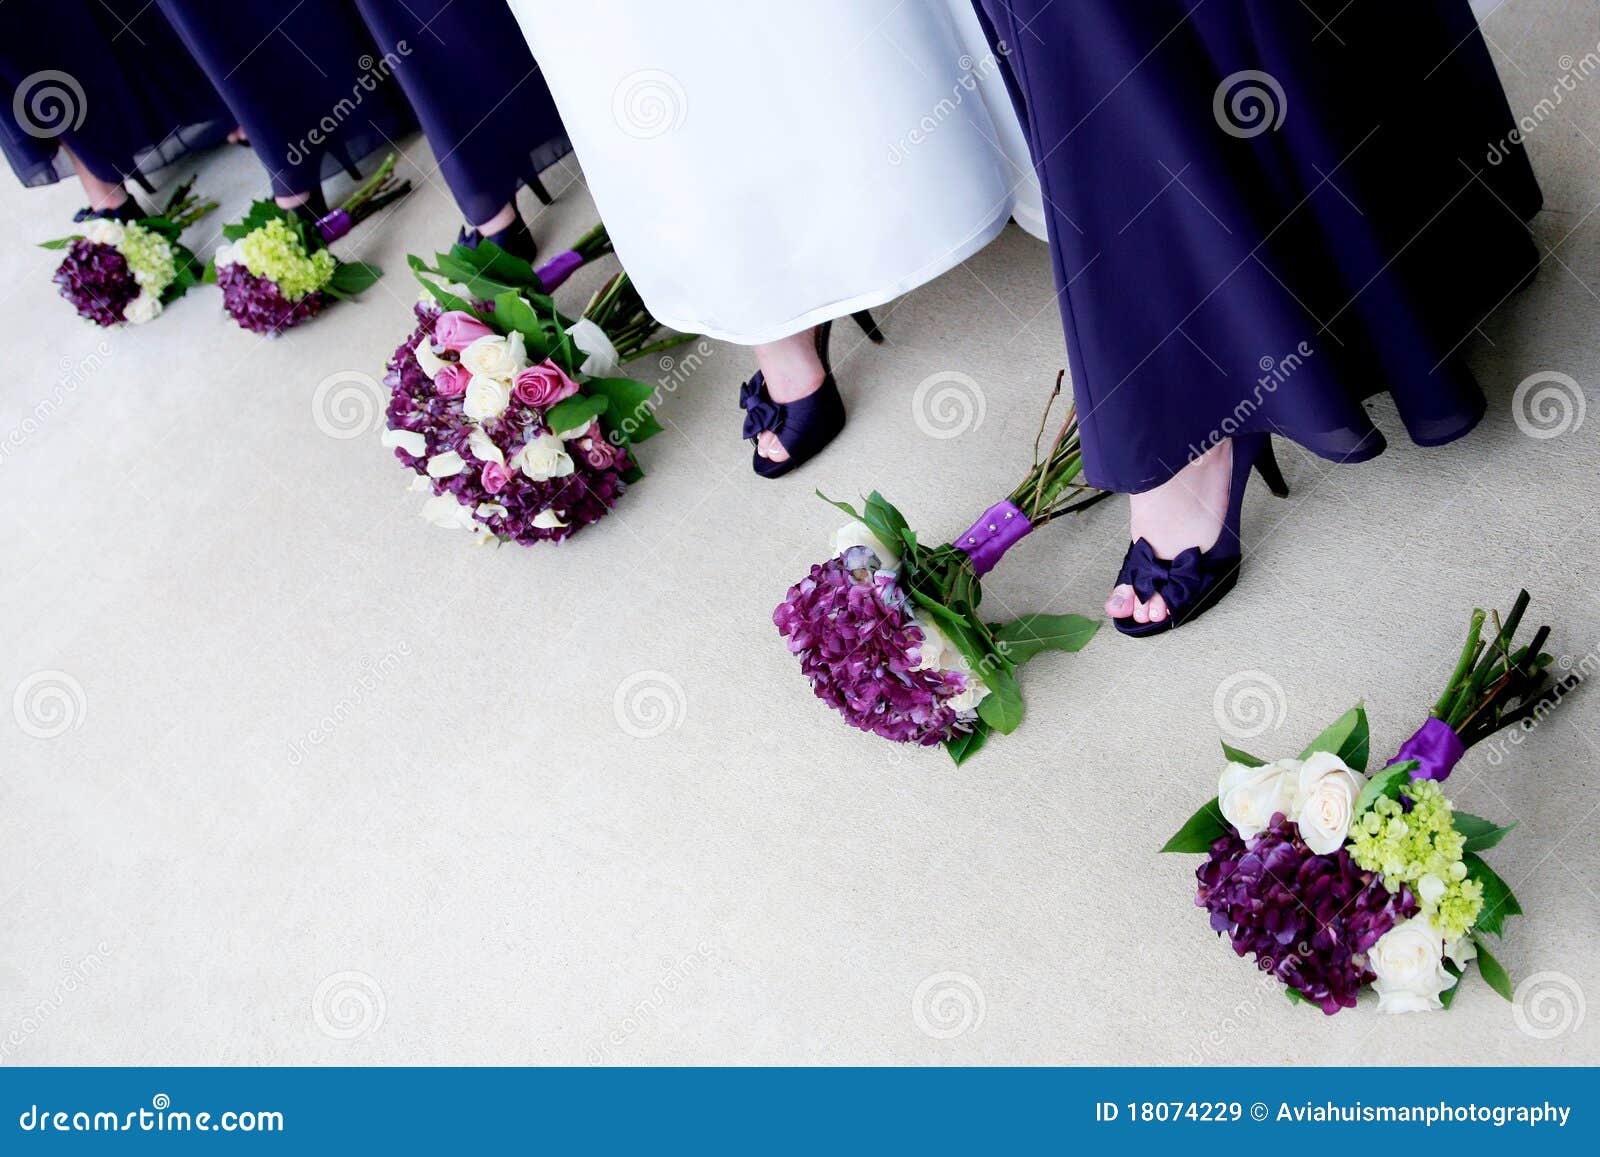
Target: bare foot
x,y
1186,511
791,370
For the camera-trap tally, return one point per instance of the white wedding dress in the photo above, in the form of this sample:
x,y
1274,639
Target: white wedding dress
x,y
764,165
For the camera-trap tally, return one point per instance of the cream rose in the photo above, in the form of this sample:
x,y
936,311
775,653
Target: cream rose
x,y
1326,801
496,357
1408,961
1251,796
145,307
938,653
543,458
486,398
102,231
858,534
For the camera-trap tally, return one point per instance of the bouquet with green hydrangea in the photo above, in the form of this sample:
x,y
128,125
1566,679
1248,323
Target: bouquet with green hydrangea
x,y
277,271
127,268
1337,879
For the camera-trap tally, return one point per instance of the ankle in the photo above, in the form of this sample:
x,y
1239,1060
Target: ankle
x,y
790,367
1187,510
501,220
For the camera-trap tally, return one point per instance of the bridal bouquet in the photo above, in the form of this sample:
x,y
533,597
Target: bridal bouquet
x,y
888,630
1336,879
277,270
128,271
511,414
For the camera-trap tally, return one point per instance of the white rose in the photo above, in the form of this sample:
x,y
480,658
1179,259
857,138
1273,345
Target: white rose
x,y
225,256
1326,801
548,520
603,359
858,534
445,511
1408,961
446,465
102,231
430,362
410,441
1250,796
493,356
937,653
145,307
543,458
485,398
483,447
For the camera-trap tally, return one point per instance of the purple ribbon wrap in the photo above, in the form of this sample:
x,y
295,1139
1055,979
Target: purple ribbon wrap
x,y
560,267
1002,526
1436,748
334,226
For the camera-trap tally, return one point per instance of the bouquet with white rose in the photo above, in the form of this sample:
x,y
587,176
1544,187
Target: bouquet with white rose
x,y
277,271
1337,880
125,268
511,414
888,631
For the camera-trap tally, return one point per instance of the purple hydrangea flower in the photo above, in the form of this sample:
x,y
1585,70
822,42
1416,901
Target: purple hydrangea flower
x,y
96,279
257,304
1309,919
580,498
858,645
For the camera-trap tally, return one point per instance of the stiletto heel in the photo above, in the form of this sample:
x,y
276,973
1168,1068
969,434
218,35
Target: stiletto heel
x,y
807,424
536,187
868,326
1196,580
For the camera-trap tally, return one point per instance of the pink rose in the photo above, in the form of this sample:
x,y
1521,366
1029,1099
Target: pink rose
x,y
596,450
494,477
456,330
451,380
543,385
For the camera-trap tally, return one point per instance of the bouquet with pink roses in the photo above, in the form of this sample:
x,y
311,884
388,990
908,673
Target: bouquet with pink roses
x,y
514,417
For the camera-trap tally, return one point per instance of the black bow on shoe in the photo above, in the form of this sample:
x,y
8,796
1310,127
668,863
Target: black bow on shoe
x,y
761,413
1178,582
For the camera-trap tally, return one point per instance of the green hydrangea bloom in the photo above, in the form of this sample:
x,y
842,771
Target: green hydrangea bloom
x,y
274,251
149,257
1409,847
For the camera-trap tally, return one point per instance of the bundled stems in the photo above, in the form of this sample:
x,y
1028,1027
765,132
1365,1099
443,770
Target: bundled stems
x,y
618,309
1054,486
1495,685
375,192
184,208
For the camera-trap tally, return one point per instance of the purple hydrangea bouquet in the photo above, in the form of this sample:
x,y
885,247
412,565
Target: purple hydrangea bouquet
x,y
889,633
512,415
120,270
277,271
1337,880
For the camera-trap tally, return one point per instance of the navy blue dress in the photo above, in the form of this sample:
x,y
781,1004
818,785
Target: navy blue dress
x,y
107,78
305,79
1262,212
482,101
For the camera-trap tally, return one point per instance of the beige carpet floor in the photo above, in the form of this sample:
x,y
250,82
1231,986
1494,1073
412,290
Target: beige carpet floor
x,y
326,784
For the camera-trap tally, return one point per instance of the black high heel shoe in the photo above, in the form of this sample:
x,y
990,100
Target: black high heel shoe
x,y
127,211
1196,580
515,239
803,427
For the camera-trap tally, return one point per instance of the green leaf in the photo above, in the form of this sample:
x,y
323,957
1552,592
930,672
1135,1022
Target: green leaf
x,y
1001,709
884,513
630,409
1498,902
1022,639
1295,996
964,747
515,313
844,506
209,276
1493,971
1347,738
1481,834
1386,784
1234,755
1448,996
1203,829
574,413
351,277
61,242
